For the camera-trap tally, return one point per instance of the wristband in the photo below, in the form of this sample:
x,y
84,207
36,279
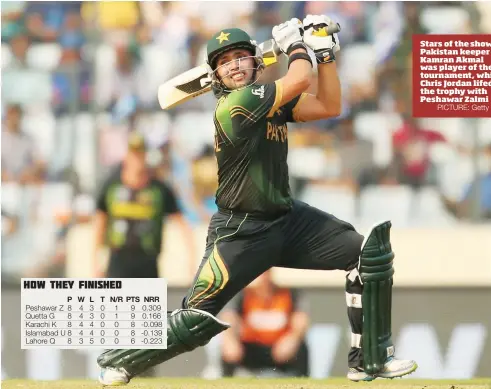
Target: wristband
x,y
325,56
296,56
295,46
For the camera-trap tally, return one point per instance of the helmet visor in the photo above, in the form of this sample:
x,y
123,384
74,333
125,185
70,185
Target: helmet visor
x,y
237,73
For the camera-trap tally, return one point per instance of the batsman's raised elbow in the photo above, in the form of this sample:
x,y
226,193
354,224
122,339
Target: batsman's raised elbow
x,y
302,84
334,112
332,108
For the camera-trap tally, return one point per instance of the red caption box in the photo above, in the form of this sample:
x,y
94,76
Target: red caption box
x,y
452,75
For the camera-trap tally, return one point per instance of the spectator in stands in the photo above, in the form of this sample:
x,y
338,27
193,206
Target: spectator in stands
x,y
19,46
412,25
132,209
395,74
125,81
72,77
268,331
355,155
12,18
268,13
476,200
168,26
411,151
71,37
45,19
20,158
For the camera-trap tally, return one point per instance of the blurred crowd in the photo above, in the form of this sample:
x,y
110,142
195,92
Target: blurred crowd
x,y
79,77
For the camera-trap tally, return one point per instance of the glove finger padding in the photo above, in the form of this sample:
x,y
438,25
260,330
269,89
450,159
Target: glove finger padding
x,y
287,34
317,38
311,20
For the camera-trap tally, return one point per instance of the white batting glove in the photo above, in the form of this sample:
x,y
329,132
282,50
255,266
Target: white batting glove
x,y
288,35
315,36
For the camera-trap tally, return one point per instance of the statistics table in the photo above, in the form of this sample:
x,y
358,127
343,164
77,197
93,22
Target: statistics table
x,y
103,313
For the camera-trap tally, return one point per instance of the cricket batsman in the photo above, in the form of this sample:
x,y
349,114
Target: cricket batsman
x,y
258,225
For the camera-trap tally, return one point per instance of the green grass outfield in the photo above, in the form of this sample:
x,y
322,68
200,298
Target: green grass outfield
x,y
246,383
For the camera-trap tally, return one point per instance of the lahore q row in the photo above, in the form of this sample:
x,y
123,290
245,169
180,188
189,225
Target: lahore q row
x,y
65,284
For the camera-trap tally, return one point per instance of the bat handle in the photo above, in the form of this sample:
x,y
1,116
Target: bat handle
x,y
333,29
277,49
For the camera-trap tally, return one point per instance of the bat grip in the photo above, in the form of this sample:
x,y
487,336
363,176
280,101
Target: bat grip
x,y
332,29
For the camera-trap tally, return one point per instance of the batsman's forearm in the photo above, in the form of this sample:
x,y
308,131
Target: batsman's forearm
x,y
329,88
301,70
298,78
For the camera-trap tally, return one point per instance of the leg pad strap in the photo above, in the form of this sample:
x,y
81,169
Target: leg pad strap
x,y
187,329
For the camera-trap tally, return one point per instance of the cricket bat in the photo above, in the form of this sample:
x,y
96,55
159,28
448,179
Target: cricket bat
x,y
196,82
